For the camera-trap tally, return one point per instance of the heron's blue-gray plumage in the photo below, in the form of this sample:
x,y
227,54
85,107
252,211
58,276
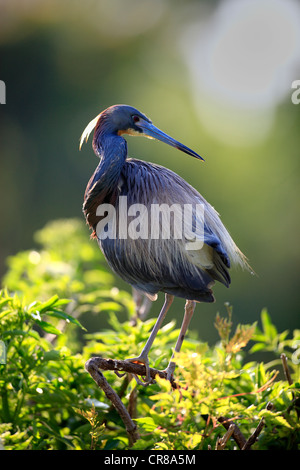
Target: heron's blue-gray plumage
x,y
153,265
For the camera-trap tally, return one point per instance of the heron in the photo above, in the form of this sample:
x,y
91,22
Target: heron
x,y
158,264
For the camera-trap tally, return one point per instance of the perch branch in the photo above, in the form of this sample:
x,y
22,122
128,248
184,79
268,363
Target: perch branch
x,y
92,367
128,367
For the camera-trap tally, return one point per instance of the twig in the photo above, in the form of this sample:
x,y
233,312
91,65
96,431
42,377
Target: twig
x,y
252,439
221,442
254,435
296,401
236,433
132,403
92,367
286,369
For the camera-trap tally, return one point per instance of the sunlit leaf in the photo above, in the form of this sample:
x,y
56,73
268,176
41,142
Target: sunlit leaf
x,y
64,316
146,423
48,327
268,327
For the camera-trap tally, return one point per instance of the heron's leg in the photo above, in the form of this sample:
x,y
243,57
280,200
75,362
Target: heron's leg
x,y
188,313
142,305
143,357
144,308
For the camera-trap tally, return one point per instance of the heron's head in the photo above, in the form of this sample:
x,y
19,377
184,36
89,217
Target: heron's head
x,y
122,119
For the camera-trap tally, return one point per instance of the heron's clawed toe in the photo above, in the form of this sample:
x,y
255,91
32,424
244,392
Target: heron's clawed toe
x,y
142,360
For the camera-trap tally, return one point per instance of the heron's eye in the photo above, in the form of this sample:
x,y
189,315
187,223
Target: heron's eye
x,y
135,118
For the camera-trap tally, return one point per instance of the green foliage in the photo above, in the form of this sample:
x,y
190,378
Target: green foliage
x,y
39,383
68,264
49,401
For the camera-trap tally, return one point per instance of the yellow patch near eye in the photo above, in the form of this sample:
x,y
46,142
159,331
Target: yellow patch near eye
x,y
129,132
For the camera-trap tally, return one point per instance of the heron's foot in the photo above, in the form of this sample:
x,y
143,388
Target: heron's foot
x,y
170,370
142,360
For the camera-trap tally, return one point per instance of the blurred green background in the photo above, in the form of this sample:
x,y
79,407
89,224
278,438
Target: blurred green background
x,y
216,75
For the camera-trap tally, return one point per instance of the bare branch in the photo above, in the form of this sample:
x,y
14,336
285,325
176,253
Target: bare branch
x,y
132,403
130,367
221,442
254,436
286,369
236,433
92,367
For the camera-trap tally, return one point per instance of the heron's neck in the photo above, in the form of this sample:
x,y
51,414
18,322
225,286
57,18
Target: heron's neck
x,y
112,151
102,187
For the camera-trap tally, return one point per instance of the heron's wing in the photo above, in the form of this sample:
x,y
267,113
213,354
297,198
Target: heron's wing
x,y
160,185
152,265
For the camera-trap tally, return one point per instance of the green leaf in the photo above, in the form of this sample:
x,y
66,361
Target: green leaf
x,y
18,332
147,423
109,306
46,305
274,418
48,327
2,352
268,327
5,302
64,316
257,347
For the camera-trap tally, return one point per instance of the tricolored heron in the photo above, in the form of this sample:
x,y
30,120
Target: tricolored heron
x,y
151,265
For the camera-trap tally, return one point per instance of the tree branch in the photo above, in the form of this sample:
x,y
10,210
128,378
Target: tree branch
x,y
236,433
92,367
222,441
252,439
286,369
128,367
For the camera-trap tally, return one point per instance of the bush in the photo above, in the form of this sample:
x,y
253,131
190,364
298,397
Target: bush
x,y
49,401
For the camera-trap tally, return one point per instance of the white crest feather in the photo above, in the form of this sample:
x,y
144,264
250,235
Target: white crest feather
x,y
86,133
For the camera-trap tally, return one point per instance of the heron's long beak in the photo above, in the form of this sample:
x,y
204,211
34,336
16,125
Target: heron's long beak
x,y
153,132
